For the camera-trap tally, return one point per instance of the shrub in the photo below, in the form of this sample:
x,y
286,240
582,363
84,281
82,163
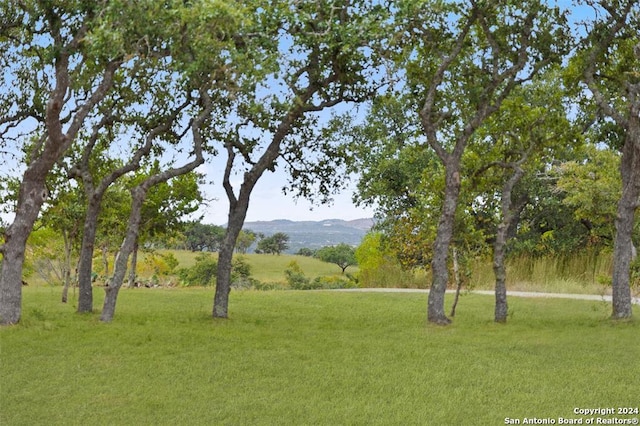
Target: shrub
x,y
203,273
332,282
296,278
158,264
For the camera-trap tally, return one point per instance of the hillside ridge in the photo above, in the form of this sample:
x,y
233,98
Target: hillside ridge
x,y
315,234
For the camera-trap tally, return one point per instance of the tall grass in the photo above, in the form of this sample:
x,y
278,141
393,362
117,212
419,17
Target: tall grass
x,y
580,273
317,358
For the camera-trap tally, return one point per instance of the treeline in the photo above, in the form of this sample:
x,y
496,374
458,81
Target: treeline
x,y
473,125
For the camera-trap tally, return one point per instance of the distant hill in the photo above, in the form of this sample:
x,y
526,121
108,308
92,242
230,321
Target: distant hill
x,y
315,234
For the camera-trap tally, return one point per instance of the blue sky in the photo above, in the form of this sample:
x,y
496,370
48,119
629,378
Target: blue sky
x,y
269,203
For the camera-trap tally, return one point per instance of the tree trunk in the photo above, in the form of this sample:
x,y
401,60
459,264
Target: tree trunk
x,y
122,258
439,267
134,265
510,214
225,258
500,271
623,244
138,195
458,280
30,198
85,264
66,270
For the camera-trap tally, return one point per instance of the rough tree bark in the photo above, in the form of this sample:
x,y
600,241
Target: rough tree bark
x,y
439,267
134,265
94,194
45,154
238,207
490,85
31,197
66,274
629,202
509,214
139,194
628,118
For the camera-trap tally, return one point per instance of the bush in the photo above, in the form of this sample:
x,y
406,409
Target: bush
x,y
158,264
241,274
296,278
333,282
203,273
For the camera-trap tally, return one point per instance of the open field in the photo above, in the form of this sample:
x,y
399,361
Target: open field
x,y
574,276
321,358
264,267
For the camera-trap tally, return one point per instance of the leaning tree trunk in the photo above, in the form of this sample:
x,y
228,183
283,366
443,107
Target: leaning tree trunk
x,y
138,195
30,198
122,258
625,219
439,267
134,265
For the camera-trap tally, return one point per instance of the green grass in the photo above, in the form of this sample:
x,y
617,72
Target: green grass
x,y
316,358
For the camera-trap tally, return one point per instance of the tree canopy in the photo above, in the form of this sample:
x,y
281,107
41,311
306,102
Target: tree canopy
x,y
488,128
342,255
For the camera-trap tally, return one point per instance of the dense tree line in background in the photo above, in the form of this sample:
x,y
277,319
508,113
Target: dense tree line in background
x,y
489,129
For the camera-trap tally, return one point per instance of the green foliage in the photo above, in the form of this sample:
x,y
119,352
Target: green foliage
x,y
203,273
342,255
305,251
296,278
591,188
203,237
246,238
156,263
274,244
379,267
241,273
167,203
330,282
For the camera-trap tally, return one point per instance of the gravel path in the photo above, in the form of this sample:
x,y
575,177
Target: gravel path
x,y
605,298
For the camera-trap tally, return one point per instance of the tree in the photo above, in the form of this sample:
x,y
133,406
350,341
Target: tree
x,y
526,134
590,186
315,57
96,183
164,206
57,72
203,237
246,238
139,193
607,62
342,255
274,244
306,251
461,61
63,212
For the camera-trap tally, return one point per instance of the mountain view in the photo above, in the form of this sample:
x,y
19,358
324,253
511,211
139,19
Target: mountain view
x,y
315,234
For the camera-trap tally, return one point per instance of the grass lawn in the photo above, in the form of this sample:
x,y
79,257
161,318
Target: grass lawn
x,y
316,358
